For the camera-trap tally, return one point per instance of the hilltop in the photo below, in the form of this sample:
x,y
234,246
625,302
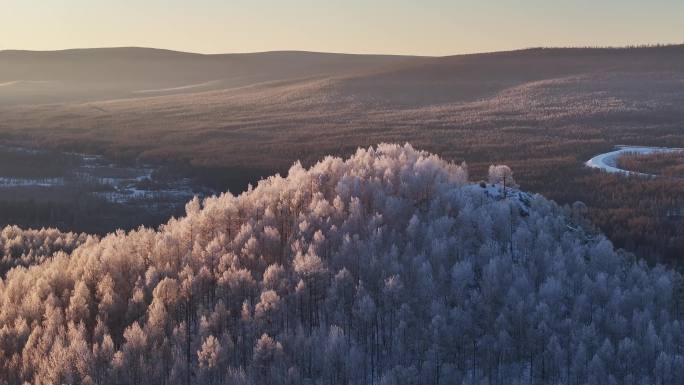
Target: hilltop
x,y
387,267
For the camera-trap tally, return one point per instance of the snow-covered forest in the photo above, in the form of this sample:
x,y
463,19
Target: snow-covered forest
x,y
385,268
29,247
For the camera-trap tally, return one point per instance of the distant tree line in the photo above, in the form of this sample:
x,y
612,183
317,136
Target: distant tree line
x,y
663,164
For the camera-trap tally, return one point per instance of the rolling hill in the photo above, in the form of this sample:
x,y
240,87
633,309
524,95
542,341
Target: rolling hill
x,y
232,119
29,77
267,110
388,267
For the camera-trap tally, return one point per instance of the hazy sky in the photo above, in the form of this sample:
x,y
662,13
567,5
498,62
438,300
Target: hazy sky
x,y
428,27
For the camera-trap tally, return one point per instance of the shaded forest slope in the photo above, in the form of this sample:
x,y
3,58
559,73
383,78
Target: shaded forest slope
x,y
387,267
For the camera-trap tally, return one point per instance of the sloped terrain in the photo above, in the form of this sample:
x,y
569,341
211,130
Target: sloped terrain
x,y
596,96
545,112
29,77
388,267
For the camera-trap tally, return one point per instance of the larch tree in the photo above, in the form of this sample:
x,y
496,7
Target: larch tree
x,y
387,267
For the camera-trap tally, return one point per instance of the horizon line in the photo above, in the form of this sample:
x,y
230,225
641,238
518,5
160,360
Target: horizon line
x,y
596,47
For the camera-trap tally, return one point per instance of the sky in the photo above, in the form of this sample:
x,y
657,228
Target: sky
x,y
418,27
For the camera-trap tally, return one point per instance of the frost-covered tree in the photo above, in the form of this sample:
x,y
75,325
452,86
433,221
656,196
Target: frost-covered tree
x,y
501,174
384,268
28,247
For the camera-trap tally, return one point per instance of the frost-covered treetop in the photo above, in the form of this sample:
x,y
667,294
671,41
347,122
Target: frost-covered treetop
x,y
388,267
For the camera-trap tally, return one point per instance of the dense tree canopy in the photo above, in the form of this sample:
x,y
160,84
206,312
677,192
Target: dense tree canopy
x,y
27,247
385,268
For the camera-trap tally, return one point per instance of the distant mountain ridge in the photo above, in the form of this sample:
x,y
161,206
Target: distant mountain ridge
x,y
115,73
112,73
70,64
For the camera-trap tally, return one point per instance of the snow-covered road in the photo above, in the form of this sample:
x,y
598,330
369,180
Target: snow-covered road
x,y
608,161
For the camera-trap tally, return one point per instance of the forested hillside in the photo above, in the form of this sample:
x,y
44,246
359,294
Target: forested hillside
x,y
227,120
388,267
78,75
29,247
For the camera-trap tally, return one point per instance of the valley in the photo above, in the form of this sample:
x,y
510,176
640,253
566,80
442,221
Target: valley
x,y
341,193
543,112
47,188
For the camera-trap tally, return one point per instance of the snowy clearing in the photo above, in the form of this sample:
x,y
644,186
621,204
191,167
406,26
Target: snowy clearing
x,y
608,161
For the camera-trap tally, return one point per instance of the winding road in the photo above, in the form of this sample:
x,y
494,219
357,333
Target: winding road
x,y
608,161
